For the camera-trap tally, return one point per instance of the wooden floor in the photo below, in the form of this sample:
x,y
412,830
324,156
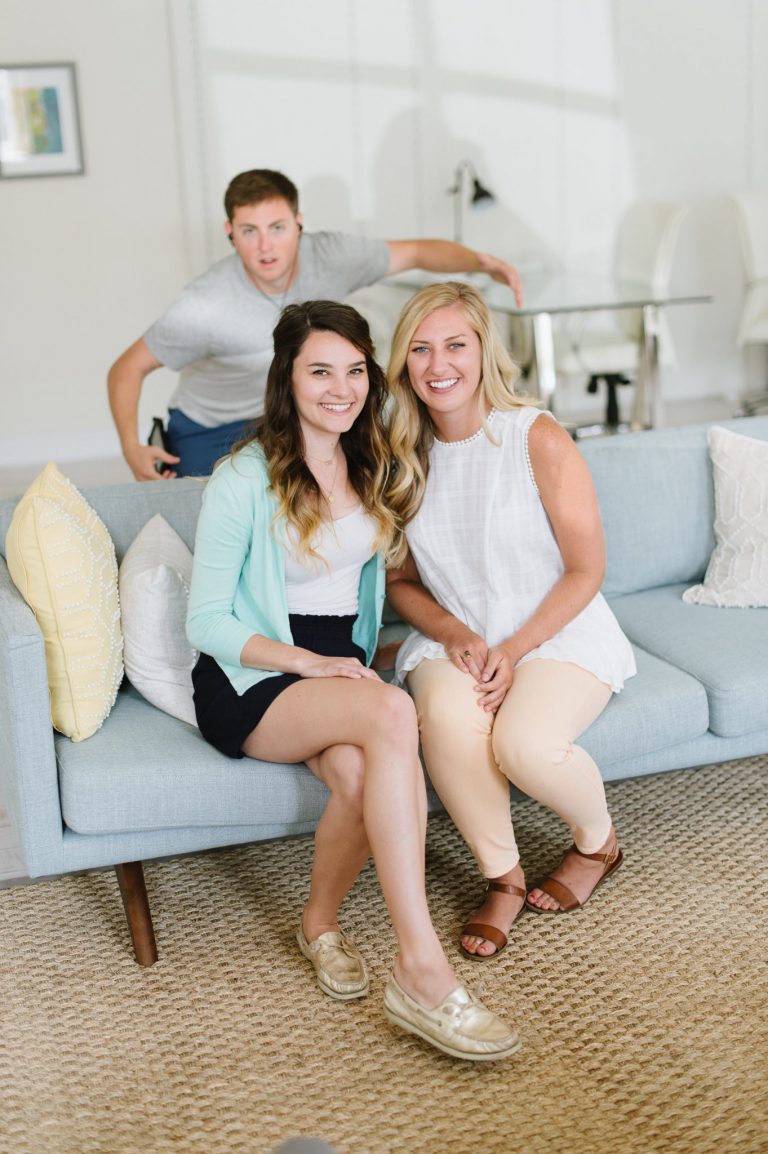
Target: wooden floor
x,y
114,471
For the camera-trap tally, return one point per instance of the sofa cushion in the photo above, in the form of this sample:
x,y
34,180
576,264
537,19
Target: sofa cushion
x,y
62,561
146,770
125,509
737,574
725,649
154,578
658,707
657,502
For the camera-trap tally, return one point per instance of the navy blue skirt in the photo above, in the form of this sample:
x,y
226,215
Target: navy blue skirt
x,y
226,718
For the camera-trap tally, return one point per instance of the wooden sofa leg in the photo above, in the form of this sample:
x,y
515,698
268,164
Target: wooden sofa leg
x,y
130,877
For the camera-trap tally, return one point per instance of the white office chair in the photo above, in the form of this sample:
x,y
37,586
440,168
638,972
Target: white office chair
x,y
752,216
645,247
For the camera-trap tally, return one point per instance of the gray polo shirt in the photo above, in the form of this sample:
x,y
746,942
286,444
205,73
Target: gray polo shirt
x,y
218,333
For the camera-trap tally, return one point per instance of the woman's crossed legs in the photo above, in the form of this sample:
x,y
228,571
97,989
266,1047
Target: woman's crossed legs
x,y
360,737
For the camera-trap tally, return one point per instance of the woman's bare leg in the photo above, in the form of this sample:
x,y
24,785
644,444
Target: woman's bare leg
x,y
316,713
341,843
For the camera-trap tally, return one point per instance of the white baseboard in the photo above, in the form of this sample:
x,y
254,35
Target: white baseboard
x,y
77,445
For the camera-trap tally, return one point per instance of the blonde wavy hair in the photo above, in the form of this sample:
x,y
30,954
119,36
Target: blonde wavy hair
x,y
365,445
411,431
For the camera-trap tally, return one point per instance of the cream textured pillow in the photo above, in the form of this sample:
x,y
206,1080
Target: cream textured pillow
x,y
62,560
737,574
154,590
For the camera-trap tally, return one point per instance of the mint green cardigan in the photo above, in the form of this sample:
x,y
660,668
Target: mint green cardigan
x,y
238,578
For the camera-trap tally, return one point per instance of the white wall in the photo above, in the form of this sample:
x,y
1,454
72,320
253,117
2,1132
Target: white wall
x,y
695,104
371,106
87,262
567,108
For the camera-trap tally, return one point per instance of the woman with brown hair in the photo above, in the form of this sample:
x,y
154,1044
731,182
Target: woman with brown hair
x,y
285,607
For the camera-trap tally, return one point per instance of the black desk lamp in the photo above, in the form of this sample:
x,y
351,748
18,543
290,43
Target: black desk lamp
x,y
479,195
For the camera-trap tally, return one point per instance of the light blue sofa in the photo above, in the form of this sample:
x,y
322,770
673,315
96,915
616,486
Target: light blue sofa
x,y
701,692
146,785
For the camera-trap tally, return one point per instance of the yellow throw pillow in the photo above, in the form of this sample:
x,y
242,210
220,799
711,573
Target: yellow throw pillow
x,y
62,561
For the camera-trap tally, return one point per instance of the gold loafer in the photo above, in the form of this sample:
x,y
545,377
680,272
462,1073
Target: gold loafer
x,y
460,1026
339,966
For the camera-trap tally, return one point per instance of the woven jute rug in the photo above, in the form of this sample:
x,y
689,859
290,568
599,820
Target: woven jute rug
x,y
643,1015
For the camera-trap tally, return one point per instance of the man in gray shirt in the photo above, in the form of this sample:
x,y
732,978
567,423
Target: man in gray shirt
x,y
218,333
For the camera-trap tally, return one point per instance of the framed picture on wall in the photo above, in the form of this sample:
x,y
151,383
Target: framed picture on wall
x,y
39,121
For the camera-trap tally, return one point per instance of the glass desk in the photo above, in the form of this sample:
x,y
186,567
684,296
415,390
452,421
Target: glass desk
x,y
550,294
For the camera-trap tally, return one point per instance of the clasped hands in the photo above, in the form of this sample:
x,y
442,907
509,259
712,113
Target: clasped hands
x,y
492,668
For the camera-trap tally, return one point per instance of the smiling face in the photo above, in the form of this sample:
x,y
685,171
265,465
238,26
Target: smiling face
x,y
329,384
266,238
444,365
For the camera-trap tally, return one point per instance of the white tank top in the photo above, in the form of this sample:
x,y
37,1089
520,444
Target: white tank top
x,y
331,589
485,549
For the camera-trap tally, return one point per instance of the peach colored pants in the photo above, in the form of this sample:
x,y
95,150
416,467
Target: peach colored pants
x,y
472,755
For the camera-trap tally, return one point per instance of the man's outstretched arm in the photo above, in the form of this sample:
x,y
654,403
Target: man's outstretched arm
x,y
447,256
124,382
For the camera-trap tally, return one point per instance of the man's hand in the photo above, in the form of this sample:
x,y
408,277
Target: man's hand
x,y
124,383
503,273
445,256
141,461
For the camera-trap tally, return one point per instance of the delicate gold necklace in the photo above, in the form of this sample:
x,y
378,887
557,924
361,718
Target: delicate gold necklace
x,y
327,493
322,460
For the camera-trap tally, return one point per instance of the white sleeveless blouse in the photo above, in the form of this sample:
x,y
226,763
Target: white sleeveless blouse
x,y
485,549
331,589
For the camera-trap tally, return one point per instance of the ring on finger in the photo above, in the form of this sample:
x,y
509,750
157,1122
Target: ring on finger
x,y
466,653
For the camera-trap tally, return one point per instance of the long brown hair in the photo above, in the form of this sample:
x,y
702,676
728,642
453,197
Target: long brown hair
x,y
365,444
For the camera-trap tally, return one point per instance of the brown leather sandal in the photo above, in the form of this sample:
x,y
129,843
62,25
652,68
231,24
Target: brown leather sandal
x,y
491,933
560,892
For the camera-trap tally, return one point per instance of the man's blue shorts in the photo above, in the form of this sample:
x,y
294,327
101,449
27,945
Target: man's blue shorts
x,y
200,448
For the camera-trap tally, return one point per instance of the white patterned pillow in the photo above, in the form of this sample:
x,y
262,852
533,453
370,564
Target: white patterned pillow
x,y
737,574
154,590
62,561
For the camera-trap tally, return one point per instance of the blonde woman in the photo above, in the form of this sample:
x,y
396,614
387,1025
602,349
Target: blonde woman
x,y
514,651
285,606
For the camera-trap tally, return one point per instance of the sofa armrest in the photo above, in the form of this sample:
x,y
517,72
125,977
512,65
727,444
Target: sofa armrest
x,y
28,773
